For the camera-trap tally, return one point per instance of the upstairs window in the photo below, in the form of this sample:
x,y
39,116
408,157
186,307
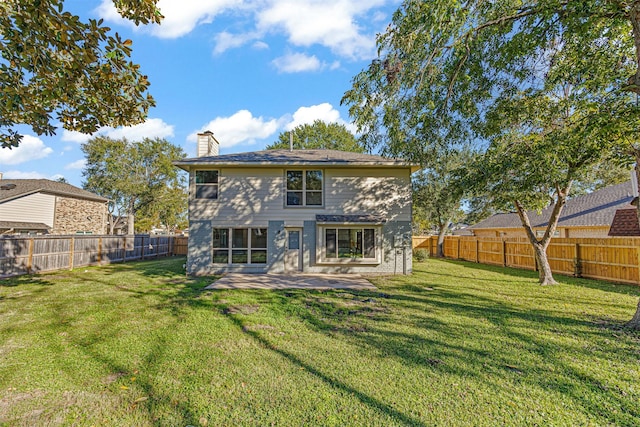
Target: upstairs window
x,y
304,188
207,185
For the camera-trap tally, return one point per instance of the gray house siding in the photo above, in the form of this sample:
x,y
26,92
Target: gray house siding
x,y
255,198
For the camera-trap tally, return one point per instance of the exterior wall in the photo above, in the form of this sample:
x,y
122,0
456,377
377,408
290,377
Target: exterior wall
x,y
247,196
587,232
32,208
255,197
396,256
79,215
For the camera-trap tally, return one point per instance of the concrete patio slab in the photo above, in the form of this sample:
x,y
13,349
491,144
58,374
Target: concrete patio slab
x,y
292,281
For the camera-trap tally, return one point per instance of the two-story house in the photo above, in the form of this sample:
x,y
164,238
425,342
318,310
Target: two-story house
x,y
283,211
41,206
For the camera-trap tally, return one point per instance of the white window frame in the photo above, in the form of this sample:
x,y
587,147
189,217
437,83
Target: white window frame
x,y
304,190
249,248
540,233
210,184
321,248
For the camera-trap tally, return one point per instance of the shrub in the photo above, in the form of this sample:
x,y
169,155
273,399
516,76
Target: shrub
x,y
420,255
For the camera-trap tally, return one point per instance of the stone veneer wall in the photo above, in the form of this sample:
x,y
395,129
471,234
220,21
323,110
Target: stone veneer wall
x,y
74,215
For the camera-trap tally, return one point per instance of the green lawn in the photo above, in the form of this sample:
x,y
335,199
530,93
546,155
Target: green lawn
x,y
454,344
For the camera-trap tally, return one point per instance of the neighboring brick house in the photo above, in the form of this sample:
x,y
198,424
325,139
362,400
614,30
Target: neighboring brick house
x,y
314,211
41,206
590,215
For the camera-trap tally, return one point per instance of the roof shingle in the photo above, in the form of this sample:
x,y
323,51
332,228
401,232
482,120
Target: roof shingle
x,y
14,188
294,157
594,209
625,222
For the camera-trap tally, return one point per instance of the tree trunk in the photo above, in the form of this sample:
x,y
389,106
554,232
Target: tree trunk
x,y
545,275
130,224
635,321
540,246
634,17
441,233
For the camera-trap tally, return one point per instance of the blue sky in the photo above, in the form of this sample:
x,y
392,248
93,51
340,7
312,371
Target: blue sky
x,y
245,69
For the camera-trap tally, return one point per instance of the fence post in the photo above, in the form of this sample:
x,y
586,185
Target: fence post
x,y
30,258
71,250
477,250
99,250
124,248
504,252
638,249
142,252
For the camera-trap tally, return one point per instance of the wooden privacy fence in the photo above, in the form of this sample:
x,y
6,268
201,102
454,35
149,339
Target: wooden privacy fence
x,y
616,259
25,255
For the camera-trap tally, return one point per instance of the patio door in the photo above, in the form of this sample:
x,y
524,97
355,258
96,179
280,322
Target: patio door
x,y
293,251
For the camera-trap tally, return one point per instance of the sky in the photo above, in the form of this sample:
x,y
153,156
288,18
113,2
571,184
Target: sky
x,y
246,70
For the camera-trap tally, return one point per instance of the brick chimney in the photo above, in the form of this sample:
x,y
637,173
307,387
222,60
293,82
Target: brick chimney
x,y
208,145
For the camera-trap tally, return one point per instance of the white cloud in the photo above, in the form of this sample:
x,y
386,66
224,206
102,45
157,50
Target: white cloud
x,y
73,136
78,164
239,128
296,63
24,175
307,115
331,23
152,128
260,45
180,17
30,148
243,128
225,41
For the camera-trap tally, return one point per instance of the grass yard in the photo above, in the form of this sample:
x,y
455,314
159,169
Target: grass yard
x,y
454,344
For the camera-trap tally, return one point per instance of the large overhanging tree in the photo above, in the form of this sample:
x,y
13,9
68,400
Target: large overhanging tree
x,y
139,179
56,70
449,71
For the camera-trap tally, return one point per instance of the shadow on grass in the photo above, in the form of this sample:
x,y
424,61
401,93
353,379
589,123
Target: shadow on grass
x,y
154,400
620,288
433,329
327,379
29,279
408,320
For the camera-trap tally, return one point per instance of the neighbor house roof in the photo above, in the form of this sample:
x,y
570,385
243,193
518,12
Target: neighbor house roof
x,y
625,222
13,188
12,225
594,209
295,158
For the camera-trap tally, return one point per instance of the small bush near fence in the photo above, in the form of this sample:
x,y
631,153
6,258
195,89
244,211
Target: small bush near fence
x,y
616,259
420,254
25,255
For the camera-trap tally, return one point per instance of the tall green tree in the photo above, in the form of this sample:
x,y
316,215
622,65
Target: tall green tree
x,y
512,76
139,179
601,175
55,68
438,193
445,69
328,136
